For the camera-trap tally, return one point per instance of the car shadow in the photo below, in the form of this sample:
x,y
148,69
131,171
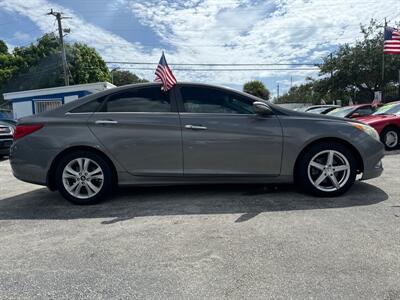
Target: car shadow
x,y
128,203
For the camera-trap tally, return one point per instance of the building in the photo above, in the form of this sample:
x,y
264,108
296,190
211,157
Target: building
x,y
31,102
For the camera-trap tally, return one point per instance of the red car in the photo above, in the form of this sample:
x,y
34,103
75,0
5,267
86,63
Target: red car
x,y
386,121
352,111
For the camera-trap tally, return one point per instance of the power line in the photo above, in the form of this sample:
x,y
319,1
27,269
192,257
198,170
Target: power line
x,y
224,70
214,64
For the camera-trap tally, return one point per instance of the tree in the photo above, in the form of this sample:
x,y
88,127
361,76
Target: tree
x,y
39,65
120,77
3,48
353,71
7,68
85,64
358,67
256,88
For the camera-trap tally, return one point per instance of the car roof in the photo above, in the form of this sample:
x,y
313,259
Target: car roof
x,y
358,105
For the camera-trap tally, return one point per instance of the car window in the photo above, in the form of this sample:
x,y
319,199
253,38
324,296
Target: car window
x,y
391,108
91,106
340,112
148,99
364,111
204,100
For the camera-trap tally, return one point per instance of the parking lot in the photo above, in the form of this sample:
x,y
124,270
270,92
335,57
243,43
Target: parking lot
x,y
201,242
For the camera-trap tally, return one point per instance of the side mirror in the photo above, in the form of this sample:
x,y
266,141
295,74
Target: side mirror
x,y
355,115
261,108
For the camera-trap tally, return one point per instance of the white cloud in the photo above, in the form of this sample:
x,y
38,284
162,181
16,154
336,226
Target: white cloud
x,y
10,47
217,31
21,36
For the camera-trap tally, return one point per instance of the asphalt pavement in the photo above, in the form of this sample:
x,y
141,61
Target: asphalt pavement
x,y
202,242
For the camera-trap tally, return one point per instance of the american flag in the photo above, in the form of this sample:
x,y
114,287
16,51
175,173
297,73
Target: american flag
x,y
164,74
392,41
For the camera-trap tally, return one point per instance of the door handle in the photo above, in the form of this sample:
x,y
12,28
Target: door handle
x,y
195,127
106,122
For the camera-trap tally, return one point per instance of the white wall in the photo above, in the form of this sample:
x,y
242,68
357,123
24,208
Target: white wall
x,y
68,99
22,109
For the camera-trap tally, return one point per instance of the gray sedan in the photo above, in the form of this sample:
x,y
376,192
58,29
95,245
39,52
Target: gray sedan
x,y
192,134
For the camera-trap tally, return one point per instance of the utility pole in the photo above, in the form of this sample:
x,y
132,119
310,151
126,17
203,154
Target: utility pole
x,y
291,82
277,91
59,17
333,81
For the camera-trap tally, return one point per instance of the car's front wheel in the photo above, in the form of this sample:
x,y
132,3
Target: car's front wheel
x,y
390,137
83,177
326,169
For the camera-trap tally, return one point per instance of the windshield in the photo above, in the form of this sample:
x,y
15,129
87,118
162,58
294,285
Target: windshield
x,y
389,109
340,112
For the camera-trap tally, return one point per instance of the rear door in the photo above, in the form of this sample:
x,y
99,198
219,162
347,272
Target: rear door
x,y
222,135
141,129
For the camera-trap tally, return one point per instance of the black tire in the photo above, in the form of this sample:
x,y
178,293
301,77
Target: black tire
x,y
302,173
383,137
106,186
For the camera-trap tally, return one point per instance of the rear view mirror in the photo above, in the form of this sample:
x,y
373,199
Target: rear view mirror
x,y
261,108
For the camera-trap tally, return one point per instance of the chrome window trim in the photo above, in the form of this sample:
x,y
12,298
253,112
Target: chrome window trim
x,y
121,112
79,113
213,114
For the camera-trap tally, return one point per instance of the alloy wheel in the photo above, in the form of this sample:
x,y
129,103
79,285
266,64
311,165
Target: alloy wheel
x,y
328,170
83,178
391,139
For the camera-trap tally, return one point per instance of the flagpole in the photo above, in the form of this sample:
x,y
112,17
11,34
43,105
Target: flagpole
x,y
383,55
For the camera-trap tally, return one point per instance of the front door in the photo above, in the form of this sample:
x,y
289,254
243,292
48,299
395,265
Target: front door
x,y
140,129
222,135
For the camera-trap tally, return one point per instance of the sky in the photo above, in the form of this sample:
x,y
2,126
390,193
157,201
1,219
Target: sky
x,y
299,32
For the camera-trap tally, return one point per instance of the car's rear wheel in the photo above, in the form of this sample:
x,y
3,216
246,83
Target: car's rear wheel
x,y
83,177
390,137
326,169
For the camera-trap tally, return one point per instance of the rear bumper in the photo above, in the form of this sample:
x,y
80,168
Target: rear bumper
x,y
31,164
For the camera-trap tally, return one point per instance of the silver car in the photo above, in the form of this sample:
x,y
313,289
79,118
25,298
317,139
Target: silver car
x,y
192,134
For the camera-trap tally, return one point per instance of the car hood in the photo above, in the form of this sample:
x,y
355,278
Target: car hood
x,y
313,116
376,118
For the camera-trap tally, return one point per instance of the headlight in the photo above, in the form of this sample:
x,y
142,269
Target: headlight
x,y
367,129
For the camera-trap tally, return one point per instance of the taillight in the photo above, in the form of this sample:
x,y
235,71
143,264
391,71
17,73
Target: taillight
x,y
23,130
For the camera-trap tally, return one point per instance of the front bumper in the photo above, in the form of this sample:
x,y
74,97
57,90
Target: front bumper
x,y
373,172
372,160
5,145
